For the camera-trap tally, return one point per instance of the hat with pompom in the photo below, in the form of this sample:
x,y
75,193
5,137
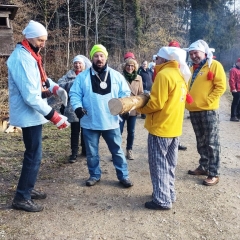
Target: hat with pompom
x,y
174,44
129,55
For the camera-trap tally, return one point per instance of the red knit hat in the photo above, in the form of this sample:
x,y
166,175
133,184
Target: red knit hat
x,y
238,60
129,55
174,44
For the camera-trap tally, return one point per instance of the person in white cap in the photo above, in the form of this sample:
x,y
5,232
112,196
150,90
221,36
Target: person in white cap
x,y
207,85
164,110
80,63
29,88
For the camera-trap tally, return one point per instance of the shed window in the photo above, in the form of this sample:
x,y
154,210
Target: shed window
x,y
4,21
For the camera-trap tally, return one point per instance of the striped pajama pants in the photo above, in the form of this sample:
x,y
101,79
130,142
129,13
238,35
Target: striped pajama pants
x,y
162,157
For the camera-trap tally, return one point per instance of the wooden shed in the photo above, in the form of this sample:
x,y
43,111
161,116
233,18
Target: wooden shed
x,y
7,13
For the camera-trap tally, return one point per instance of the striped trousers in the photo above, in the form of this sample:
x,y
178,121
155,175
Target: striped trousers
x,y
162,157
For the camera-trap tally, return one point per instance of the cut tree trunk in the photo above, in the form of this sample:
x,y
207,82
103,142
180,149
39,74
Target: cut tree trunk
x,y
3,124
124,105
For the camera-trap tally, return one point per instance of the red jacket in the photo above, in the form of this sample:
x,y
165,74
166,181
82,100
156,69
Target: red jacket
x,y
234,79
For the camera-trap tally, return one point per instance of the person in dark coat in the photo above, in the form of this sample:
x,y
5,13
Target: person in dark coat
x,y
146,75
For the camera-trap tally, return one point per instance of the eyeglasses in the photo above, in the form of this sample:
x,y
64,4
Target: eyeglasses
x,y
130,66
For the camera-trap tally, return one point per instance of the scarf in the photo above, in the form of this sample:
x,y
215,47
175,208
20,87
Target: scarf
x,y
45,84
77,72
196,68
37,57
130,76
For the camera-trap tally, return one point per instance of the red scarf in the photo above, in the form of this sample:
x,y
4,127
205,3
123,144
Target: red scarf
x,y
38,58
45,83
77,72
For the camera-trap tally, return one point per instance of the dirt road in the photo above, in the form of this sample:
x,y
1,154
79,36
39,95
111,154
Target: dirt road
x,y
108,211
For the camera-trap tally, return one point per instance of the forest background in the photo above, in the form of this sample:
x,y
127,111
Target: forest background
x,y
140,26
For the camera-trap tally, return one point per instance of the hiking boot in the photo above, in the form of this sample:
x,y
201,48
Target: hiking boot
x,y
182,148
152,205
91,181
38,194
234,119
130,154
210,181
26,205
126,182
198,171
72,158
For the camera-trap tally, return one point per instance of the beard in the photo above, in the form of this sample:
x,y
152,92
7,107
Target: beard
x,y
97,68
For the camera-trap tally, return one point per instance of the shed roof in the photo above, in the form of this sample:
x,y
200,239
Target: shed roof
x,y
12,8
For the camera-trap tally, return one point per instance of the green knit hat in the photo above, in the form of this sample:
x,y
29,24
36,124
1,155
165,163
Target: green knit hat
x,y
98,48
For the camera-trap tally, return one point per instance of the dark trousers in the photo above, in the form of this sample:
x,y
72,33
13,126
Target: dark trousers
x,y
235,104
206,127
32,138
131,122
75,131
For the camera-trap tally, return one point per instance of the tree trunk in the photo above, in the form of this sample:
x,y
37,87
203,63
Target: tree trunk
x,y
69,33
123,105
86,27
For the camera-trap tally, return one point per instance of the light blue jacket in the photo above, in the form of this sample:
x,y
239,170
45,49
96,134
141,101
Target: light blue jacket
x,y
98,114
26,106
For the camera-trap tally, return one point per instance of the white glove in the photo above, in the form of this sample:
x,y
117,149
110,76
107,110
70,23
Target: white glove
x,y
62,94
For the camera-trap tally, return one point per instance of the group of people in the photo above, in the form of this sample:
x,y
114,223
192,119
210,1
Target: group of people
x,y
85,92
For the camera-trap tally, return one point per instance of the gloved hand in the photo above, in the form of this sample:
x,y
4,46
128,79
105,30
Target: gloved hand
x,y
62,108
59,120
61,93
125,116
80,112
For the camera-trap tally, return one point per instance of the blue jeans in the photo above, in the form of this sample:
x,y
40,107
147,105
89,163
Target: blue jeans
x,y
114,140
131,122
32,138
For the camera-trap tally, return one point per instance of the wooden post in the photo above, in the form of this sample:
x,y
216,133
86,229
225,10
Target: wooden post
x,y
123,105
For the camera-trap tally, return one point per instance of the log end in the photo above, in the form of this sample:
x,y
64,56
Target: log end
x,y
115,106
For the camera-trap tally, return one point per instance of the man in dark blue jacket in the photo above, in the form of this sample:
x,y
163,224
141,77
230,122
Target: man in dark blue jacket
x,y
146,75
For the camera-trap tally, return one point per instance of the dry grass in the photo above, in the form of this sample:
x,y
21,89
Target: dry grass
x,y
56,148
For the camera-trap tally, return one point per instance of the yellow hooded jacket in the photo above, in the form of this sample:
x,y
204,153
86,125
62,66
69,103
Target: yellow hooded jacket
x,y
165,108
206,93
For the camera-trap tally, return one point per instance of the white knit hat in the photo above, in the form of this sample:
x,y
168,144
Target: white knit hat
x,y
151,64
86,62
34,29
179,55
201,45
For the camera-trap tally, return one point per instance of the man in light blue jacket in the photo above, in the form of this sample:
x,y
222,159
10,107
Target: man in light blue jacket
x,y
89,96
29,88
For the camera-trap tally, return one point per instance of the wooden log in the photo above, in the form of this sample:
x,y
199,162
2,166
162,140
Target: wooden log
x,y
12,129
123,105
3,125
